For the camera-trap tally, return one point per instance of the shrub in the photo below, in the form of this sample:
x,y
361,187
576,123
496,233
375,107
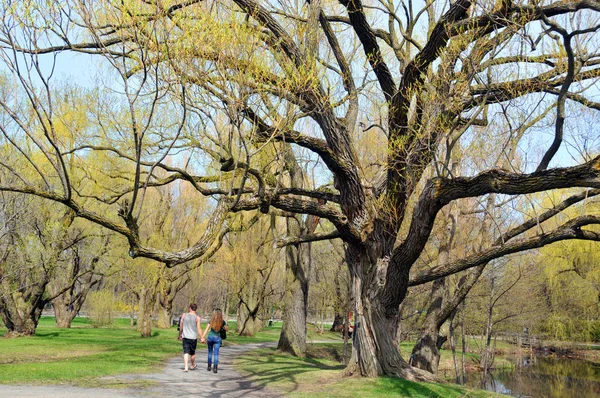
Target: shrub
x,y
100,308
595,331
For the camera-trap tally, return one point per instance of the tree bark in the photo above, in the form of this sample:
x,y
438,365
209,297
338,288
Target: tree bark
x,y
67,305
21,316
293,332
463,340
167,290
248,322
375,352
338,323
63,313
453,347
144,322
164,317
298,263
426,353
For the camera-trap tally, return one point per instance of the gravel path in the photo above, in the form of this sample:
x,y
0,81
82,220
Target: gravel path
x,y
172,381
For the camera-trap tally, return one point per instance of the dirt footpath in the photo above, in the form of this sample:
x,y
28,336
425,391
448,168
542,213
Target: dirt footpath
x,y
172,381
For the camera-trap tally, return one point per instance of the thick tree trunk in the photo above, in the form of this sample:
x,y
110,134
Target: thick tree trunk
x,y
144,321
165,310
299,268
338,323
164,318
487,356
20,317
248,323
19,327
165,296
426,352
68,303
146,329
375,352
64,312
293,332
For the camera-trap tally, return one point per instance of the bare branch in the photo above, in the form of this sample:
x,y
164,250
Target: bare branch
x,y
295,240
569,230
372,51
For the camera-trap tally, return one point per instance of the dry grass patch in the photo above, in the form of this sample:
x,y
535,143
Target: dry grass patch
x,y
42,355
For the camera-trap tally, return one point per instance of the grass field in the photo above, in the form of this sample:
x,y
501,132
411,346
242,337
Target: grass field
x,y
320,375
81,355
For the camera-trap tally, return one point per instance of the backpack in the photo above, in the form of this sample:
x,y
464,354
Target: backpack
x,y
223,332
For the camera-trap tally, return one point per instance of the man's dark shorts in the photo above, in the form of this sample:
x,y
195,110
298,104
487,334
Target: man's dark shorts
x,y
189,346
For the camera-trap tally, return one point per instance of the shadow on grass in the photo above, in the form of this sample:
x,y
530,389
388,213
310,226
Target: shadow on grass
x,y
389,386
315,377
270,368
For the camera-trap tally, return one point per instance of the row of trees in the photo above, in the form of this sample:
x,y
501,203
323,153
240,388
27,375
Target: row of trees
x,y
247,277
414,133
47,257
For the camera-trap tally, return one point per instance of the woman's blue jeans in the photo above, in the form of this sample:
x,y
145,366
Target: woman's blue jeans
x,y
214,343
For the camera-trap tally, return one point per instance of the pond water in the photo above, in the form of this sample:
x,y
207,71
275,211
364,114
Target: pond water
x,y
543,376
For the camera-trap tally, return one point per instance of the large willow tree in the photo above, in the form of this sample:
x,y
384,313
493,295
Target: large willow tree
x,y
194,90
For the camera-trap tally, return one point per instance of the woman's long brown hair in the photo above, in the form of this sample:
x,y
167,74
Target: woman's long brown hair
x,y
216,320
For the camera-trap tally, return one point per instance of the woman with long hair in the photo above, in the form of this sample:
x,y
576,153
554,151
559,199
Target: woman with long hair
x,y
213,329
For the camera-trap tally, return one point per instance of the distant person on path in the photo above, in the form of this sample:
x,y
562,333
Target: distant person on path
x,y
189,330
215,327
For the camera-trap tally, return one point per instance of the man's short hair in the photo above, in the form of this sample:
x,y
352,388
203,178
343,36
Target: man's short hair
x,y
193,307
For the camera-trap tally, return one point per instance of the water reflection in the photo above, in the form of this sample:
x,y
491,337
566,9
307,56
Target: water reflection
x,y
539,376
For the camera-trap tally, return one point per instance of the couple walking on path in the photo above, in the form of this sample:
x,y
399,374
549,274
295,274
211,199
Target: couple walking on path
x,y
189,330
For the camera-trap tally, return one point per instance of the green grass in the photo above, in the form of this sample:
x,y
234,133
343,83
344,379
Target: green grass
x,y
319,375
266,334
272,334
83,354
446,365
